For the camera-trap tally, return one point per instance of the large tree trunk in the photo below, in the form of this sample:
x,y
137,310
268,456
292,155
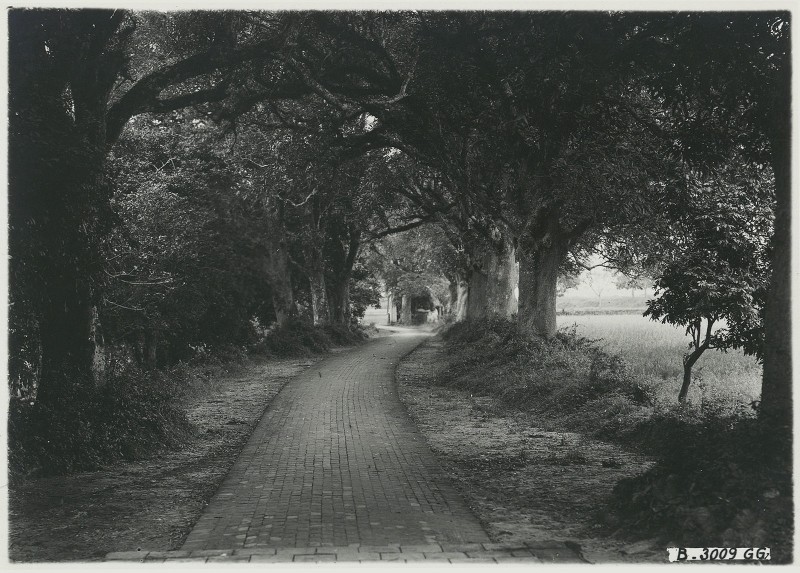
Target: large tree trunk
x,y
339,299
478,299
319,297
315,263
492,282
67,344
538,278
405,310
391,308
341,251
61,74
462,297
776,390
503,276
277,269
69,274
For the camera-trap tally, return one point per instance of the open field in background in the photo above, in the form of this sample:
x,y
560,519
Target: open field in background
x,y
580,302
654,354
375,315
653,351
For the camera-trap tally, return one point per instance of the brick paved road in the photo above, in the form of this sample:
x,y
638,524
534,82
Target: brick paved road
x,y
435,553
336,461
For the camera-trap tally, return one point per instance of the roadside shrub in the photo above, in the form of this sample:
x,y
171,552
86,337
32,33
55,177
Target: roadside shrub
x,y
500,330
368,330
295,338
566,380
342,335
715,484
298,337
132,414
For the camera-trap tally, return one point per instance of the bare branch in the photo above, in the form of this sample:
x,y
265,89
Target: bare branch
x,y
301,203
603,265
403,93
319,89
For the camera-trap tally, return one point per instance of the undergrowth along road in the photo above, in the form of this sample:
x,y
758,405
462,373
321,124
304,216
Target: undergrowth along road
x,y
715,483
523,482
154,502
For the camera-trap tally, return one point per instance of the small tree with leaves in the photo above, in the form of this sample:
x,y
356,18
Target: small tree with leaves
x,y
715,280
719,305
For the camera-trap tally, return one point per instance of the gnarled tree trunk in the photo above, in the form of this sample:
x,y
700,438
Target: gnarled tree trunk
x,y
315,263
503,276
72,195
478,299
342,252
538,277
276,260
61,72
492,282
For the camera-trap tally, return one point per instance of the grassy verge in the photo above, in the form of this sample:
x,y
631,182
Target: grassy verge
x,y
714,484
524,483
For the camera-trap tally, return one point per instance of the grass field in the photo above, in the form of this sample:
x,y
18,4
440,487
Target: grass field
x,y
654,353
621,301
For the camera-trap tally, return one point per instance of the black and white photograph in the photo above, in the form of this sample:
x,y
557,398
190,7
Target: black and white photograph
x,y
438,285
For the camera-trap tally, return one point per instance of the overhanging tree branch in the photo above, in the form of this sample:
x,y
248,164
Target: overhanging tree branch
x,y
145,92
400,228
217,93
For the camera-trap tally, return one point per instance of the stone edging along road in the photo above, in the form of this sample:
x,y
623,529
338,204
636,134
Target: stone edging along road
x,y
336,470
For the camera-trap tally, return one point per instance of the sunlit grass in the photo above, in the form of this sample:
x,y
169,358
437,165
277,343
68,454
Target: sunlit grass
x,y
654,354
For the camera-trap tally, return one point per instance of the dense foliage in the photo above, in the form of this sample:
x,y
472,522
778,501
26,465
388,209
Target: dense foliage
x,y
133,415
713,266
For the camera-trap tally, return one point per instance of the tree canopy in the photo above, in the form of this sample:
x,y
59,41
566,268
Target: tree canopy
x,y
178,177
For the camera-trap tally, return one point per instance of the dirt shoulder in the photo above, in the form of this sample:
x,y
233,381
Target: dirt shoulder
x,y
153,503
523,483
